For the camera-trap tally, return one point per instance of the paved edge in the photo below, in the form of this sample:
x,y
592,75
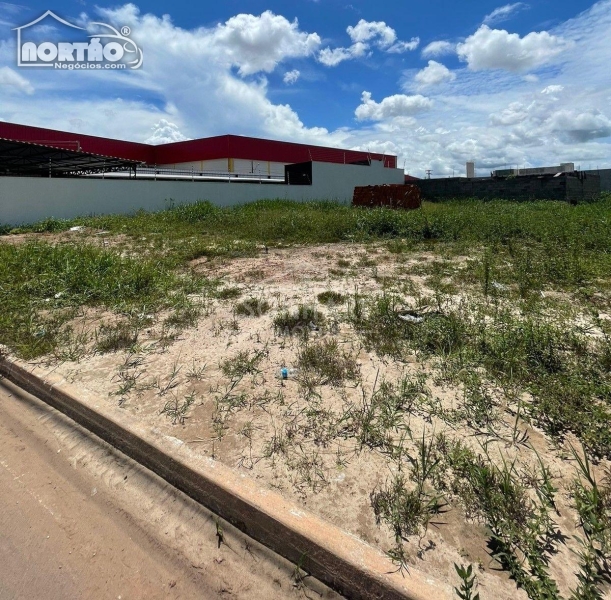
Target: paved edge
x,y
336,557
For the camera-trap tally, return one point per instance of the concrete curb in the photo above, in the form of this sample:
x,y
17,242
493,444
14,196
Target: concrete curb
x,y
339,559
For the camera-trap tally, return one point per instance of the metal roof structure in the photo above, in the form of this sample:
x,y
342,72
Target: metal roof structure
x,y
222,146
27,158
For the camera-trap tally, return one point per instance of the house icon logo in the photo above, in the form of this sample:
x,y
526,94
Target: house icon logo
x,y
72,48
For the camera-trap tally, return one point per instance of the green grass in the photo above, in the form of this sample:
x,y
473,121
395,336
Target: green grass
x,y
502,345
252,307
110,338
331,298
327,362
569,236
299,321
565,371
228,293
242,364
41,286
515,250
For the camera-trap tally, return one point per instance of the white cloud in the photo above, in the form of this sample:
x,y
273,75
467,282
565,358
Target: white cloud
x,y
8,12
165,132
502,13
114,118
291,77
12,81
531,78
515,113
207,81
553,89
385,37
363,35
192,71
497,49
401,47
365,31
439,48
434,74
255,44
10,8
398,105
498,117
540,120
579,126
332,57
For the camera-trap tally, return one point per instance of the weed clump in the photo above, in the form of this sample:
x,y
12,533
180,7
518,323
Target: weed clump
x,y
523,534
252,307
177,411
407,512
242,364
111,338
593,503
228,293
331,298
384,328
184,316
299,322
326,361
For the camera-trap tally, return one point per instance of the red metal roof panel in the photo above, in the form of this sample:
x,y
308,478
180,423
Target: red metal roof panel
x,y
224,146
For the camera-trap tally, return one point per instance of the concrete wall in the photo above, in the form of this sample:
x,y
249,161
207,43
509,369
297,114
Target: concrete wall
x,y
585,187
547,187
605,178
30,199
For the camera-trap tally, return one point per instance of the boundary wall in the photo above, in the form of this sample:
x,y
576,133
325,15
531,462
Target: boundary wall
x,y
26,200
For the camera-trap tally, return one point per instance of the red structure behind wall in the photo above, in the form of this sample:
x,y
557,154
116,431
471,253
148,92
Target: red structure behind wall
x,y
76,141
224,146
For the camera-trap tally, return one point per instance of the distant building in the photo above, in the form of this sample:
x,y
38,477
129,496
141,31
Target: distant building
x,y
223,153
563,168
47,173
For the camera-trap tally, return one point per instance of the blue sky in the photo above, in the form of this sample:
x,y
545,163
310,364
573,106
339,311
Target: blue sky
x,y
436,83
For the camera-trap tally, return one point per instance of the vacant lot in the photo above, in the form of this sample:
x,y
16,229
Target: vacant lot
x,y
451,398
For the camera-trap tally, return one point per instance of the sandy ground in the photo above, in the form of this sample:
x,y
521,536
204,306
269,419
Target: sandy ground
x,y
286,439
79,520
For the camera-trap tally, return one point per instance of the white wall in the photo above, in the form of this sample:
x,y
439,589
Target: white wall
x,y
217,164
236,165
335,181
30,199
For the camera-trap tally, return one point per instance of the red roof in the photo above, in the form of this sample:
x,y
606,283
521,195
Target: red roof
x,y
224,146
77,141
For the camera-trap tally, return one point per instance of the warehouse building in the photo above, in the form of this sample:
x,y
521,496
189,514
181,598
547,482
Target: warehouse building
x,y
49,173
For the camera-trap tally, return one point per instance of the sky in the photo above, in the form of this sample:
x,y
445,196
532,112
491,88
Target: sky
x,y
436,83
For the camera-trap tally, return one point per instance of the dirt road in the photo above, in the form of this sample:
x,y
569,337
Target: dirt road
x,y
80,520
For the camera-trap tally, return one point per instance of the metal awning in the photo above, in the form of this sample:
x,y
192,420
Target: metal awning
x,y
28,158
